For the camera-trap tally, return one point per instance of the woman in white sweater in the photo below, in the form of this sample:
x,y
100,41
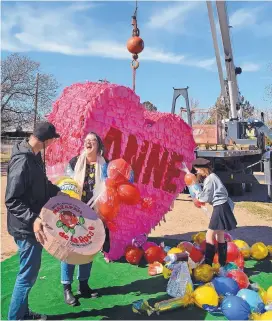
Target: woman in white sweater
x,y
215,193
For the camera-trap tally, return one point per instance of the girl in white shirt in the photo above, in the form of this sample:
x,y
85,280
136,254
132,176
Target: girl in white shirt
x,y
215,193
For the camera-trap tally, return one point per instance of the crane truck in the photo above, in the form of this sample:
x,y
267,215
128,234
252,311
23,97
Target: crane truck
x,y
236,159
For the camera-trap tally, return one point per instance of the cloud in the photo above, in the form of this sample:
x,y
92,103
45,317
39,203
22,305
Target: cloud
x,y
72,30
250,67
253,19
172,17
243,17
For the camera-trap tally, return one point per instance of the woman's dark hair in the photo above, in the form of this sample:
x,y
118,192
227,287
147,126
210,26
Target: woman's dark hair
x,y
101,148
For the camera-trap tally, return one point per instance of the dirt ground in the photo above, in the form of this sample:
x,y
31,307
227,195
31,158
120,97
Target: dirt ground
x,y
254,221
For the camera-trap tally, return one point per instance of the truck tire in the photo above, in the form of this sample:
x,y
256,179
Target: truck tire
x,y
248,187
238,189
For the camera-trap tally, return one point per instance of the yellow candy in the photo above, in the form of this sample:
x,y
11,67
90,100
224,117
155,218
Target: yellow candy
x,y
263,295
269,247
68,186
243,247
199,237
259,251
266,316
166,272
205,294
174,250
203,273
269,295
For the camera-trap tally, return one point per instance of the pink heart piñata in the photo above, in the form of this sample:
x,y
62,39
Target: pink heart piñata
x,y
153,143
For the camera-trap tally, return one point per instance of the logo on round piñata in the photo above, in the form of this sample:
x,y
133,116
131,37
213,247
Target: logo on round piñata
x,y
73,228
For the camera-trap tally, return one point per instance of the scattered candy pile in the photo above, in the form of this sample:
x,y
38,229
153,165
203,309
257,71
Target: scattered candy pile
x,y
221,290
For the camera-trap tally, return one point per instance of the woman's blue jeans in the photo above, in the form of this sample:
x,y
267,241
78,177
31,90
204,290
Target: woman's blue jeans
x,y
67,272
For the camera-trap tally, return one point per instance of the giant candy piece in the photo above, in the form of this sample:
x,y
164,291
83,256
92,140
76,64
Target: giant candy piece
x,y
153,143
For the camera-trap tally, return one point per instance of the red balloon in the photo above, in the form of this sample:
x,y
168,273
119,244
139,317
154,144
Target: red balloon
x,y
240,262
154,254
129,194
232,252
134,254
189,179
110,182
108,204
240,277
119,170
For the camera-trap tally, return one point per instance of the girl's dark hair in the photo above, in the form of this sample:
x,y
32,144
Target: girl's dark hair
x,y
101,148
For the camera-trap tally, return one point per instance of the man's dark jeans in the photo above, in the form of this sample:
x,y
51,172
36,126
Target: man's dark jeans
x,y
30,252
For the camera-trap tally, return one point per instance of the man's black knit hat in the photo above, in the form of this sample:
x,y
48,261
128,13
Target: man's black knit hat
x,y
44,131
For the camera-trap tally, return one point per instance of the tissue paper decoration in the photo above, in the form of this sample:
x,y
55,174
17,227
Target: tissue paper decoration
x,y
153,143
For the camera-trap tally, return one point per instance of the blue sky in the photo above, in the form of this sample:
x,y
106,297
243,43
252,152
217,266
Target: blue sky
x,y
79,41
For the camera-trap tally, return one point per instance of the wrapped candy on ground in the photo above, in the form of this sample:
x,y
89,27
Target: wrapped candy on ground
x,y
199,237
155,268
240,262
259,251
142,307
235,308
243,248
185,246
172,258
253,299
204,297
174,250
225,286
267,316
203,273
269,295
223,271
240,277
179,280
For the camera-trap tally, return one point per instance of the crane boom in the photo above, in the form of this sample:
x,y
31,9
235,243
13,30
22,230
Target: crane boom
x,y
230,68
216,49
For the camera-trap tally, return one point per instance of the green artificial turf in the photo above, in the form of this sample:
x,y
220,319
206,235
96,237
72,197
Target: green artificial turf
x,y
120,285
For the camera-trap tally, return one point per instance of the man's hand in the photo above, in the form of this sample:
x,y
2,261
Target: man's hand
x,y
60,193
38,230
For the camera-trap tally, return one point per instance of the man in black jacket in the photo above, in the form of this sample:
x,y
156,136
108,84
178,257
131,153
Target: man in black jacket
x,y
28,190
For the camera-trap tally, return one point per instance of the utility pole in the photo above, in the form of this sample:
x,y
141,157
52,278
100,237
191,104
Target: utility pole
x,y
36,100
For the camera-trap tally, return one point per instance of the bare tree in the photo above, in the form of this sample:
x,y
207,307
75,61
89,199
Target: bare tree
x,y
149,106
18,86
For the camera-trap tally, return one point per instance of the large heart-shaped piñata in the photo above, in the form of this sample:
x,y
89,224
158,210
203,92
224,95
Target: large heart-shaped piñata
x,y
153,143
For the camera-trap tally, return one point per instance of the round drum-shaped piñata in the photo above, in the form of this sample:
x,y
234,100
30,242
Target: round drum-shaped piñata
x,y
74,232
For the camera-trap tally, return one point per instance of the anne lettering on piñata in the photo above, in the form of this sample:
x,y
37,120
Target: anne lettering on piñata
x,y
164,168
